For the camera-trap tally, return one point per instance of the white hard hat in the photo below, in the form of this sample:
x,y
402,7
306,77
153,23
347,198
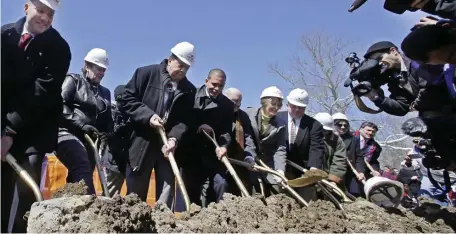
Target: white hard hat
x,y
271,91
185,52
326,120
339,116
98,57
53,4
298,97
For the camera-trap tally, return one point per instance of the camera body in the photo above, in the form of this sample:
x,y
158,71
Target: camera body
x,y
365,75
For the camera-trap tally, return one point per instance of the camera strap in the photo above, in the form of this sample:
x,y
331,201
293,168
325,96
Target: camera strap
x,y
362,106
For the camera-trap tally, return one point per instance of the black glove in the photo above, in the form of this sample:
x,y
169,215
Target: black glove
x,y
90,130
250,161
105,136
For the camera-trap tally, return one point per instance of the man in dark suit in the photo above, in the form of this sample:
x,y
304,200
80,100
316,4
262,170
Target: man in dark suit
x,y
305,142
158,96
35,60
205,176
242,146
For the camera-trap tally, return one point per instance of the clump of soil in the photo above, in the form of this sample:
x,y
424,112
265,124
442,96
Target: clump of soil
x,y
69,189
278,213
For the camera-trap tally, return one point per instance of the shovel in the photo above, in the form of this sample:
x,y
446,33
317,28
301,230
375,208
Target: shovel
x,y
335,189
284,184
176,172
229,166
379,186
25,176
101,174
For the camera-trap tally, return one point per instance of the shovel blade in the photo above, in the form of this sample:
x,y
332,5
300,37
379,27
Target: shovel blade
x,y
309,178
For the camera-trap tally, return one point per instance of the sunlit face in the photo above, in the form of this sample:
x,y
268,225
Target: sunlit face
x,y
176,68
296,111
392,59
271,105
215,85
94,73
368,132
39,17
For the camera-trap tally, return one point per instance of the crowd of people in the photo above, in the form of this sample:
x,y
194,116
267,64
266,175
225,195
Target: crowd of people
x,y
46,109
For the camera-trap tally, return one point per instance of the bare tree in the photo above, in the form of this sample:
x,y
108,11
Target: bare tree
x,y
319,67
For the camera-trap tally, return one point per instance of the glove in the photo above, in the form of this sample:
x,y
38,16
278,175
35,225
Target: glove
x,y
414,177
278,179
105,136
250,161
90,130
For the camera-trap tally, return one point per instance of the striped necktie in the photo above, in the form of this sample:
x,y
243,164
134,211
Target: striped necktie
x,y
293,131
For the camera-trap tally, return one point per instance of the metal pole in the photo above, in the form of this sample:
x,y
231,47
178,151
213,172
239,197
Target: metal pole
x,y
25,176
101,174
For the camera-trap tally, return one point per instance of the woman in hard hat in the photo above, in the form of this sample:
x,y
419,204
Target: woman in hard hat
x,y
335,151
270,138
87,110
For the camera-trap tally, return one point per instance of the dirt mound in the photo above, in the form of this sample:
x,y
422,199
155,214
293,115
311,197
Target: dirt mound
x,y
277,213
69,189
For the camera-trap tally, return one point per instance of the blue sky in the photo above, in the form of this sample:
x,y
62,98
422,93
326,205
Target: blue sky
x,y
240,37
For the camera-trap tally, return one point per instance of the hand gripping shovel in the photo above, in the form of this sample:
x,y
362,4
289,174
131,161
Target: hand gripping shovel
x,y
325,182
25,176
101,174
229,166
175,169
284,184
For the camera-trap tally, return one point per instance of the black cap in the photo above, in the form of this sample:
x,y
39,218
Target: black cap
x,y
397,6
118,92
418,43
379,46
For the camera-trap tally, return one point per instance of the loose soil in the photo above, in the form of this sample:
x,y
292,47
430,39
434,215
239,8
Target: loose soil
x,y
278,213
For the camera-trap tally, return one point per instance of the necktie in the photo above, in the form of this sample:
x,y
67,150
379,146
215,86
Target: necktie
x,y
25,39
239,133
293,131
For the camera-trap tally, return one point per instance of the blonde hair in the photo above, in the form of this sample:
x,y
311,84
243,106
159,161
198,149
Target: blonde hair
x,y
266,101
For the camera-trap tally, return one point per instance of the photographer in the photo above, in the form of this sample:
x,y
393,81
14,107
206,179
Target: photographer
x,y
442,8
384,64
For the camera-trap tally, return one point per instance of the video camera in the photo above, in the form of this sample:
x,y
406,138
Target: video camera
x,y
365,75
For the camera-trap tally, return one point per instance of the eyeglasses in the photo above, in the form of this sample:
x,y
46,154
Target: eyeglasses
x,y
341,125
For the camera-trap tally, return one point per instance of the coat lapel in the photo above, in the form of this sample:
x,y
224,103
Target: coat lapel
x,y
256,131
302,132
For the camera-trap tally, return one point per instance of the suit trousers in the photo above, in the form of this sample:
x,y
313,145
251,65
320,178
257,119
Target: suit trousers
x,y
17,197
138,181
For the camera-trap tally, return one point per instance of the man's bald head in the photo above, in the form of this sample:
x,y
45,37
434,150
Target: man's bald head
x,y
235,96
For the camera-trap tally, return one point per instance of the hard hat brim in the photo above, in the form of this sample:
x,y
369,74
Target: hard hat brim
x,y
296,103
328,128
98,64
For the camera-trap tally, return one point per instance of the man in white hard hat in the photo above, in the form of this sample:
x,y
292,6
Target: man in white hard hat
x,y
86,110
335,151
213,113
242,146
305,144
157,96
35,60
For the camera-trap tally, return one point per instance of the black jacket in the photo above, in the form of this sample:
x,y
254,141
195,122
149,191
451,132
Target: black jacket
x,y
143,96
309,147
442,8
354,153
85,104
402,94
31,85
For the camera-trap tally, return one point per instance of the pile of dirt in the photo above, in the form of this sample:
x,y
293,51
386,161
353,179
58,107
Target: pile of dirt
x,y
277,213
69,189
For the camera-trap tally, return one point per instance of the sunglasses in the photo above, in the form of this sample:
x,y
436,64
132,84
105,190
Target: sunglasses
x,y
342,125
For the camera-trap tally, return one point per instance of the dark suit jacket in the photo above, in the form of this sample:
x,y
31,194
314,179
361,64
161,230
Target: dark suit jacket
x,y
308,149
31,86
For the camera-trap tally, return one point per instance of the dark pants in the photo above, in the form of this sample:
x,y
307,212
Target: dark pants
x,y
205,184
79,161
354,186
17,197
138,181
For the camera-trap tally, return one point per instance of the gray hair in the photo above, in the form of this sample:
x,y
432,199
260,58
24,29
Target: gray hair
x,y
230,91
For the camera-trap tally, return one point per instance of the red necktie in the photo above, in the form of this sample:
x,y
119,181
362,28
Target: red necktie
x,y
25,39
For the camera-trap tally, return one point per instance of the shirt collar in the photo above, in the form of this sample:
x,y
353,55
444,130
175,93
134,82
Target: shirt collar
x,y
291,118
403,66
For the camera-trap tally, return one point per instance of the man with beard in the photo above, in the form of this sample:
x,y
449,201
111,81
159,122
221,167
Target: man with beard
x,y
35,60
